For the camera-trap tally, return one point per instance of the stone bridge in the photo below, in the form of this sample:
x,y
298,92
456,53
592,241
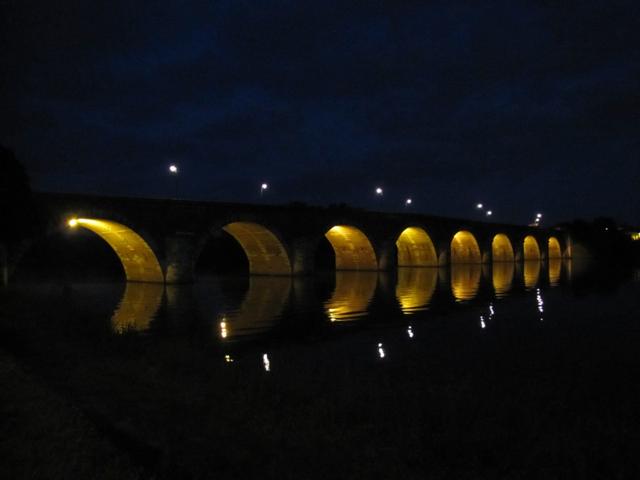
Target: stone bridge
x,y
159,240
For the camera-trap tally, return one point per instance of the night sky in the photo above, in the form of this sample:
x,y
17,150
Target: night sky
x,y
525,106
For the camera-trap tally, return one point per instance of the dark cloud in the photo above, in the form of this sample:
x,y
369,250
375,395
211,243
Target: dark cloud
x,y
524,105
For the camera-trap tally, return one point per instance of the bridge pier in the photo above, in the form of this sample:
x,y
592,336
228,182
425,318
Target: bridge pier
x,y
180,258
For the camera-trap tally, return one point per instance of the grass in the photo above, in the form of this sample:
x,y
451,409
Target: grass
x,y
522,402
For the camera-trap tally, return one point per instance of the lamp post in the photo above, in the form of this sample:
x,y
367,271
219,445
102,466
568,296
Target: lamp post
x,y
408,202
263,187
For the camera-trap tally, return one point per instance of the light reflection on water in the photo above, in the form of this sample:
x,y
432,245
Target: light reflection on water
x,y
415,288
256,305
465,281
352,295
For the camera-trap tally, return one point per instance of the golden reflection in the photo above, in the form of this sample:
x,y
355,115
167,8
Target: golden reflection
x,y
531,273
502,277
465,281
501,249
415,249
415,288
554,248
139,262
464,248
531,249
352,249
555,268
352,295
265,252
260,309
138,307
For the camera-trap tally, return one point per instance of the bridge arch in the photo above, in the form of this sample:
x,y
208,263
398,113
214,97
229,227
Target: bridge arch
x,y
531,248
138,259
501,249
554,248
415,249
352,248
464,248
265,252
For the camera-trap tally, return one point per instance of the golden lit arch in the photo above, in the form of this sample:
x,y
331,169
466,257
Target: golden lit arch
x,y
352,248
415,249
502,277
265,252
465,281
139,262
554,248
531,248
352,295
501,249
464,248
415,288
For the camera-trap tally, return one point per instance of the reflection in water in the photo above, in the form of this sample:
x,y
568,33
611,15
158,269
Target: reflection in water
x,y
138,307
531,273
465,280
352,295
260,309
502,277
415,288
555,267
540,303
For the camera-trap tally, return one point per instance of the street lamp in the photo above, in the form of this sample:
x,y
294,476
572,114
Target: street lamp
x,y
379,191
479,206
489,213
173,171
263,187
408,202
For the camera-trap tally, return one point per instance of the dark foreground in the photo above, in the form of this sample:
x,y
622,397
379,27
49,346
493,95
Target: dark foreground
x,y
521,398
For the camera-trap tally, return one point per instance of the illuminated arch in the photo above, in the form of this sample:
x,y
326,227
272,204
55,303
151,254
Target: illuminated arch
x,y
415,288
464,248
502,277
139,262
137,308
265,252
352,248
352,295
415,249
501,249
531,273
554,248
531,248
465,281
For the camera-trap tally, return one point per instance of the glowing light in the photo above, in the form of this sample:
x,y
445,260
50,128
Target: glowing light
x,y
352,248
264,186
538,215
173,169
465,281
635,236
415,249
379,191
464,248
482,324
266,363
138,260
223,329
501,249
381,353
531,249
263,249
415,288
351,298
408,201
489,213
554,248
410,331
479,206
138,307
492,312
228,359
